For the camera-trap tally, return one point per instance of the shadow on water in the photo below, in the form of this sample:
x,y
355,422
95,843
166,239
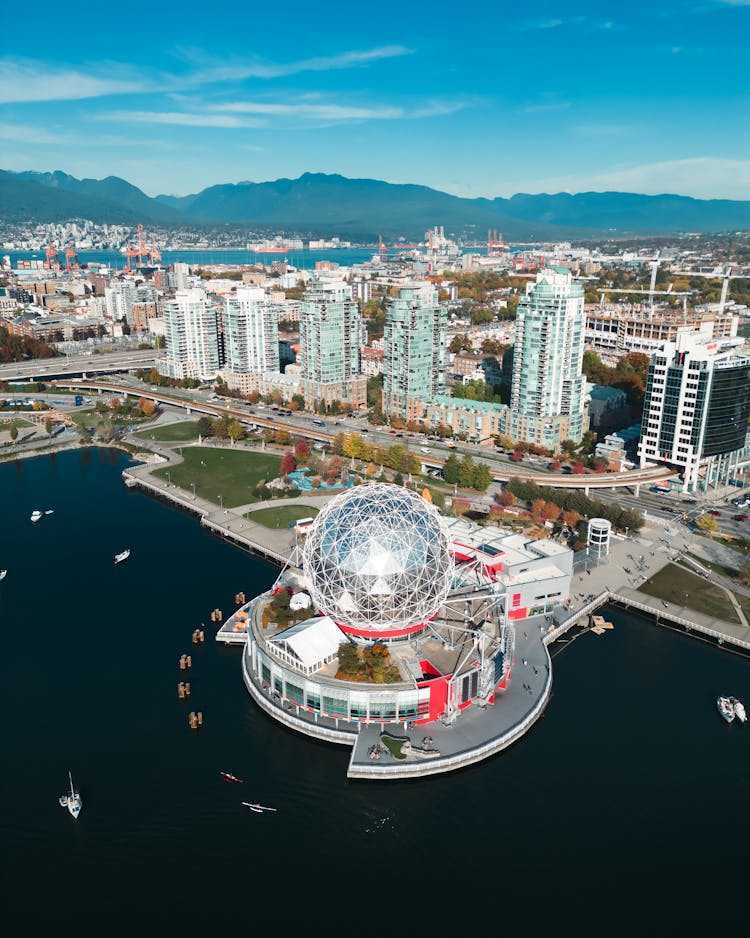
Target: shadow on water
x,y
625,804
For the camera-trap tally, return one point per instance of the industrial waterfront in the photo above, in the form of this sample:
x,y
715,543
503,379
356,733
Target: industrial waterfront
x,y
628,783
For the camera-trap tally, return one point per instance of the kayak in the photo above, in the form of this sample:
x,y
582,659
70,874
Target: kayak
x,y
231,778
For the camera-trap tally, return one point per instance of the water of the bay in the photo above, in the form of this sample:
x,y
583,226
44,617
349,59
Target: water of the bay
x,y
624,810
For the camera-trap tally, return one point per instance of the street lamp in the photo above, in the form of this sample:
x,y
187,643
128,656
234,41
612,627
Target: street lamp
x,y
169,478
193,484
221,501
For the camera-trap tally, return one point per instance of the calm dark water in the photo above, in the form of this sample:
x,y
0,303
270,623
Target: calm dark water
x,y
624,810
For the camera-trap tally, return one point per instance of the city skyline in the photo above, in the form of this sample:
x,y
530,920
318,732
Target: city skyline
x,y
491,103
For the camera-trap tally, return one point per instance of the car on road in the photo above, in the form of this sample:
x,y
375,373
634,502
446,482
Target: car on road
x,y
393,432
425,449
741,517
714,512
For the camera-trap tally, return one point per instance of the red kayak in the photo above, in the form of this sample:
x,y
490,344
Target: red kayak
x,y
231,778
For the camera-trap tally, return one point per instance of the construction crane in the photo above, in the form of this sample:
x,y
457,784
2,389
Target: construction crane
x,y
154,252
130,252
71,258
52,258
654,265
725,289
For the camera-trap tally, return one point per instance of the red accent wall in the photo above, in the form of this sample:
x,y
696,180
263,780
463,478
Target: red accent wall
x,y
519,613
428,668
438,697
375,634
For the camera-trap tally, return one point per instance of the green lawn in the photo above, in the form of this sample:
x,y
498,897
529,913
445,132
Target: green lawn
x,y
231,473
393,745
172,432
7,422
683,588
86,419
281,516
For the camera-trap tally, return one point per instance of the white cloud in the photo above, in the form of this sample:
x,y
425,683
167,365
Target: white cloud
x,y
703,177
26,80
321,110
22,81
180,118
312,111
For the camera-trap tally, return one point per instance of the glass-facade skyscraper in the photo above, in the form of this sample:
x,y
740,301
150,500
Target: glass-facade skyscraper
x,y
251,332
696,408
414,351
191,332
548,401
330,342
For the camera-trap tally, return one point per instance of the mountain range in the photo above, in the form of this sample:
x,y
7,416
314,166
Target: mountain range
x,y
318,203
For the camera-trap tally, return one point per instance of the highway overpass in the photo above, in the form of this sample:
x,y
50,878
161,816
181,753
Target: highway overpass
x,y
39,369
501,472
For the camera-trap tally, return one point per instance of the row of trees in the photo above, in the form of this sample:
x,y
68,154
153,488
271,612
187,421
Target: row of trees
x,y
397,457
467,473
629,374
16,348
573,500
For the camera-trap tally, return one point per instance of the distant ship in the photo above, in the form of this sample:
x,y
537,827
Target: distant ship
x,y
122,556
36,516
739,710
726,708
3,574
269,249
72,801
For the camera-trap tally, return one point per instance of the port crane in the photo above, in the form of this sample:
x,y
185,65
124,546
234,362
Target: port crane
x,y
52,258
71,258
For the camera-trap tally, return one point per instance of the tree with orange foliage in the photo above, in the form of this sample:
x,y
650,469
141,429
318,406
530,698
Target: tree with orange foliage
x,y
537,508
507,499
571,518
146,407
551,511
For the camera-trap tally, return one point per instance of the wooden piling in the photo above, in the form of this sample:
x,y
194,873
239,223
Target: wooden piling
x,y
180,690
183,664
200,718
201,636
188,661
187,689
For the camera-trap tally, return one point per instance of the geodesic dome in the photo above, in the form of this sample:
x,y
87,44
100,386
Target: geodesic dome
x,y
376,558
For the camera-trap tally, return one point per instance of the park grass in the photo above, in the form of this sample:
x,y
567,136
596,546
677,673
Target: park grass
x,y
18,422
682,588
231,473
86,419
172,432
393,745
281,516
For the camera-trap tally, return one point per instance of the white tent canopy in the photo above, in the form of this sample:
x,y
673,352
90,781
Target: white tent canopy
x,y
310,644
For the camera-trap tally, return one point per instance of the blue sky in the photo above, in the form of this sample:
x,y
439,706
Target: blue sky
x,y
476,99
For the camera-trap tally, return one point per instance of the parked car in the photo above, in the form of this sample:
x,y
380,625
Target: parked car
x,y
715,513
741,517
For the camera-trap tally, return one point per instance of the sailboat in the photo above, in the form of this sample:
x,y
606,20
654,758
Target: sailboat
x,y
73,800
258,808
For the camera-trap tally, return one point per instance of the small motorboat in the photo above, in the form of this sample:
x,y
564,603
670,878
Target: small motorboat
x,y
258,808
50,511
726,708
72,800
3,574
122,556
36,516
739,709
227,776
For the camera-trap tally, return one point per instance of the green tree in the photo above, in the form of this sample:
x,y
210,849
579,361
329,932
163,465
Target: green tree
x,y
451,469
481,478
466,472
459,343
349,660
205,426
707,523
235,430
13,432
